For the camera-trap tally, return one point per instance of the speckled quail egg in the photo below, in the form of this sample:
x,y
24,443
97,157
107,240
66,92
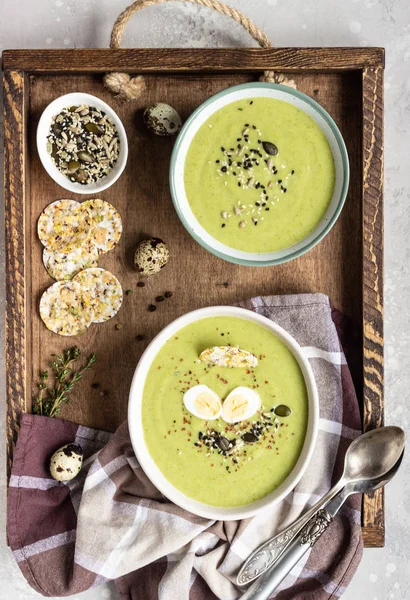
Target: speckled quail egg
x,y
202,402
241,404
66,462
162,119
151,256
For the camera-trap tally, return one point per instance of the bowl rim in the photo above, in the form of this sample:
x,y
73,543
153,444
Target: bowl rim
x,y
52,170
148,465
345,168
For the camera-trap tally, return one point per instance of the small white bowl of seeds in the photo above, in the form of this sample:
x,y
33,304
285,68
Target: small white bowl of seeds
x,y
82,143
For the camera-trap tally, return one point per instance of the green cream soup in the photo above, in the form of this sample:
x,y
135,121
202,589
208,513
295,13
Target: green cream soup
x,y
254,196
175,438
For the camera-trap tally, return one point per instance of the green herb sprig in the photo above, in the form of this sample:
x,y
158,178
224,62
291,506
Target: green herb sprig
x,y
52,397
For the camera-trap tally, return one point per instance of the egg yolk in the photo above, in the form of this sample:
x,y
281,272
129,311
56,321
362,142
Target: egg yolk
x,y
236,406
206,404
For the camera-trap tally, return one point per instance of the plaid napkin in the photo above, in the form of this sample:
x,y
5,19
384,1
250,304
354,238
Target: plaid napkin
x,y
111,523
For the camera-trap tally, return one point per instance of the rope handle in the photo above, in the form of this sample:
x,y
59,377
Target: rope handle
x,y
130,88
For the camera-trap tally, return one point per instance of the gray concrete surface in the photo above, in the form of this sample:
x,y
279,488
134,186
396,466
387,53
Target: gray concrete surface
x,y
383,574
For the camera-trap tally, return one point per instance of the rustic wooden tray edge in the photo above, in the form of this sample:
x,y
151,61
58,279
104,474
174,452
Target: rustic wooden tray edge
x,y
19,64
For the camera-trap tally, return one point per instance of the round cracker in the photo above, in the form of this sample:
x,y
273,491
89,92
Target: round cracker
x,y
103,291
64,265
65,309
107,224
64,225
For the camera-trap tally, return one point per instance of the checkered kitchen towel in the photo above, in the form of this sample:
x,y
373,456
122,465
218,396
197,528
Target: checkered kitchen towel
x,y
111,523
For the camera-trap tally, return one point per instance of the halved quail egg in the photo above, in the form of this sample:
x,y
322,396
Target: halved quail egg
x,y
203,403
241,404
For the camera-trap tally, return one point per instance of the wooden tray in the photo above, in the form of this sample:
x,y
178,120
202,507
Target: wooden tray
x,y
347,265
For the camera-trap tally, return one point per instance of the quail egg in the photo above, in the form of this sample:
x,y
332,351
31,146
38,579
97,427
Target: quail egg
x,y
241,404
151,256
162,119
203,403
66,462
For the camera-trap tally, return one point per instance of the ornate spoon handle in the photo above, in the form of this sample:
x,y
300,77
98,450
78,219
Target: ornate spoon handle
x,y
268,553
262,588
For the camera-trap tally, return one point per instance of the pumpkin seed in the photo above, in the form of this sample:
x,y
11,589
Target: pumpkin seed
x,y
73,166
270,148
249,438
57,129
85,157
94,128
283,411
223,443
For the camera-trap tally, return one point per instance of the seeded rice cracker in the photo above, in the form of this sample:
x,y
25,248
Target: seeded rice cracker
x,y
65,309
229,356
64,225
103,291
64,265
107,224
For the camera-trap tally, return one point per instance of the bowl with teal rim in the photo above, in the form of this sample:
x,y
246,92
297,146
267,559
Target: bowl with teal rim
x,y
250,91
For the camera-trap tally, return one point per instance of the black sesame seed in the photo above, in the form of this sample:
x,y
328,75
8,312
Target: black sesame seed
x,y
152,308
267,208
223,225
95,386
141,284
233,172
279,180
139,337
223,149
168,294
217,161
239,185
284,190
292,172
224,169
159,299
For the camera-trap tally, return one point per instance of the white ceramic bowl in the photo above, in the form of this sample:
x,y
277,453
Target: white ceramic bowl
x,y
202,114
43,130
136,428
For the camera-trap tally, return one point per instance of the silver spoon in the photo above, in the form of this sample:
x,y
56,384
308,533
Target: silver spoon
x,y
264,586
369,456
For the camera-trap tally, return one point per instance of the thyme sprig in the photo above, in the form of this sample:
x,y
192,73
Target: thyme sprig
x,y
52,397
